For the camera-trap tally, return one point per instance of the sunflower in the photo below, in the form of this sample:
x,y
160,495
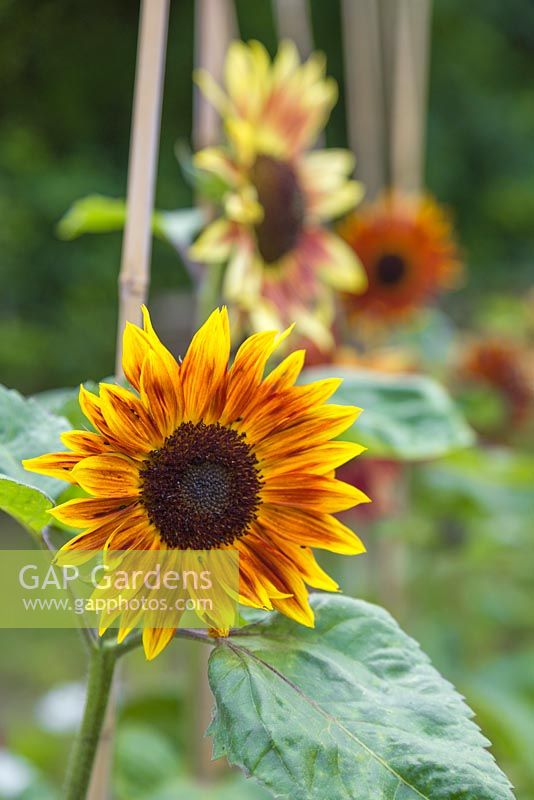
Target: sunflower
x,y
282,263
383,479
502,368
202,455
407,249
380,359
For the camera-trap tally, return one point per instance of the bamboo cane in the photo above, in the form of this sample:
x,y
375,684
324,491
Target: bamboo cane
x,y
215,27
293,22
365,91
409,100
136,250
388,17
144,145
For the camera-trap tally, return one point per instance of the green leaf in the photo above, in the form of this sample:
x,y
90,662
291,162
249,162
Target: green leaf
x,y
27,430
209,186
351,710
25,503
405,417
195,790
65,403
495,481
510,719
92,214
144,759
178,227
99,214
484,407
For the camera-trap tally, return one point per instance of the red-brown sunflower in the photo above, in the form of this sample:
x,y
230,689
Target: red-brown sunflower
x,y
408,252
204,455
502,367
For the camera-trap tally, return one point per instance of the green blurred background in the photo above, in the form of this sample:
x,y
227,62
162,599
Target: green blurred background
x,y
66,83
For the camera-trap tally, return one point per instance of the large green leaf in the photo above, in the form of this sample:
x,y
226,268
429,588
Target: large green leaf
x,y
99,214
64,402
405,417
27,430
350,710
25,503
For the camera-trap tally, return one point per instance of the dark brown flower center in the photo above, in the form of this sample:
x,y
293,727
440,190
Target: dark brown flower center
x,y
283,207
201,489
390,269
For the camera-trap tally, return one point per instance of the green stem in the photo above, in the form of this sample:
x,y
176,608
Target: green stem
x,y
104,656
209,294
101,666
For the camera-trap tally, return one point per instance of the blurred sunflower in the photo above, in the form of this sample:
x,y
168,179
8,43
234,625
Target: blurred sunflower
x,y
380,359
502,369
282,263
408,252
206,456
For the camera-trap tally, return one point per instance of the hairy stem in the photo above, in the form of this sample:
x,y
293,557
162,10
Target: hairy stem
x,y
101,666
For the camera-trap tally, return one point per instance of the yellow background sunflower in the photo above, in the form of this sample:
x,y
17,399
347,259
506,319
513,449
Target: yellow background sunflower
x,y
282,261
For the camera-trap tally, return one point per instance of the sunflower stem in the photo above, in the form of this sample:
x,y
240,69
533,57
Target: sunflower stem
x,y
209,292
87,633
100,677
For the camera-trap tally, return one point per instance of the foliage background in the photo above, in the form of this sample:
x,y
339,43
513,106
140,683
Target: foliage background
x,y
66,81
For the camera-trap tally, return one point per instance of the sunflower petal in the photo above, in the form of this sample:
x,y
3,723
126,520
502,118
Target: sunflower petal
x,y
321,425
319,460
84,443
286,373
135,346
247,394
341,267
56,465
107,476
90,406
128,420
134,533
155,640
84,511
165,355
211,90
83,547
247,370
313,529
312,492
160,395
280,410
214,244
203,369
